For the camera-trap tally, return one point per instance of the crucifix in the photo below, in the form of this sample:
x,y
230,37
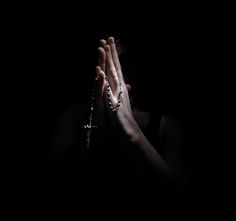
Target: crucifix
x,y
90,125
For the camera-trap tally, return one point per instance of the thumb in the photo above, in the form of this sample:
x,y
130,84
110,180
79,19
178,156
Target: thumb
x,y
100,89
101,80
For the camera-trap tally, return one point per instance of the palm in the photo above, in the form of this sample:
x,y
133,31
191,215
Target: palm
x,y
113,96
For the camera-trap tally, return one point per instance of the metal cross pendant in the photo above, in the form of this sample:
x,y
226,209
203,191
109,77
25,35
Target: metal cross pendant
x,y
89,132
90,125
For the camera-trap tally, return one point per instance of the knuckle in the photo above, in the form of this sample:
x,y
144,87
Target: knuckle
x,y
115,79
112,70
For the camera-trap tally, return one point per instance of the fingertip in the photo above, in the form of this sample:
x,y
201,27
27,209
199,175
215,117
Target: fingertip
x,y
101,77
100,49
99,72
111,40
103,42
98,69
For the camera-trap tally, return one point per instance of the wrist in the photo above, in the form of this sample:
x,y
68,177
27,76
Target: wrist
x,y
134,134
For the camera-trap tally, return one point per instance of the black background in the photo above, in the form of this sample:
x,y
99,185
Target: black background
x,y
48,53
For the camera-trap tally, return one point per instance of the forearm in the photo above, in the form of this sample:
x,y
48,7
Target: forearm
x,y
138,140
150,162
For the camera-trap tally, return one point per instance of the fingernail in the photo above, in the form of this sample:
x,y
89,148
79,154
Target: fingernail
x,y
111,39
98,69
102,42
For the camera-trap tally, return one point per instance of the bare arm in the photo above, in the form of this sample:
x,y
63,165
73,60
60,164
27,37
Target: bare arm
x,y
169,164
155,171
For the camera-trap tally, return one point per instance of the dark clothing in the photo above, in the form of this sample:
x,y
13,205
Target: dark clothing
x,y
104,172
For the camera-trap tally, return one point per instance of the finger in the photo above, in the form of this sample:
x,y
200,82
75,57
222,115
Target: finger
x,y
103,43
111,71
100,89
115,57
101,58
107,97
101,80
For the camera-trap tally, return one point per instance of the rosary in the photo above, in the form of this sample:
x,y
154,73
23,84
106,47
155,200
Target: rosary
x,y
90,126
